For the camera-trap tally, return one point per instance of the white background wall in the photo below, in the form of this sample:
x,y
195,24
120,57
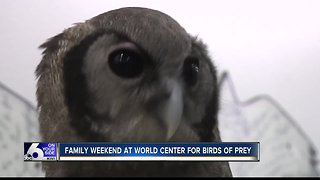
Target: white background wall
x,y
269,46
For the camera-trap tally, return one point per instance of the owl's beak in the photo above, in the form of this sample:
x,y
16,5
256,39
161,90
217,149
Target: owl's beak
x,y
173,108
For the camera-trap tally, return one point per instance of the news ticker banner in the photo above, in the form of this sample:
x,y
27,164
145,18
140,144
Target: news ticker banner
x,y
225,151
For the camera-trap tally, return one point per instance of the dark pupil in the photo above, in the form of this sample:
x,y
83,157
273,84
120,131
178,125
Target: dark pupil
x,y
191,70
126,63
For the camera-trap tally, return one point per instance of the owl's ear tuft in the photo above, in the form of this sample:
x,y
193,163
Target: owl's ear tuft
x,y
51,44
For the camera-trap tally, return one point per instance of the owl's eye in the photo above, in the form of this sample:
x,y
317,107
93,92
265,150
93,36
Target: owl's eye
x,y
191,70
126,63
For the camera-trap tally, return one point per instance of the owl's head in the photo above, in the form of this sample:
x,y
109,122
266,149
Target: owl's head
x,y
128,75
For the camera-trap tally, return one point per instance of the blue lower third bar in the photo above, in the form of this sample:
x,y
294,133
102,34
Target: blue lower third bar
x,y
231,151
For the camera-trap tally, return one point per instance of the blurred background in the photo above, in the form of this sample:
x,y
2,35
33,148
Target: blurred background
x,y
267,54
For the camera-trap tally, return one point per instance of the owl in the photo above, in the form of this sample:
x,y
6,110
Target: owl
x,y
128,75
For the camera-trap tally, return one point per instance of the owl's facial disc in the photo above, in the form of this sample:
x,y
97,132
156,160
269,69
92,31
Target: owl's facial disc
x,y
124,77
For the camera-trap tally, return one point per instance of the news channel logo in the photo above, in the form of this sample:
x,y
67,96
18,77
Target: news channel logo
x,y
35,151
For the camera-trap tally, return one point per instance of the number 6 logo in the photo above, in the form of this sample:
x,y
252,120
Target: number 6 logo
x,y
36,153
